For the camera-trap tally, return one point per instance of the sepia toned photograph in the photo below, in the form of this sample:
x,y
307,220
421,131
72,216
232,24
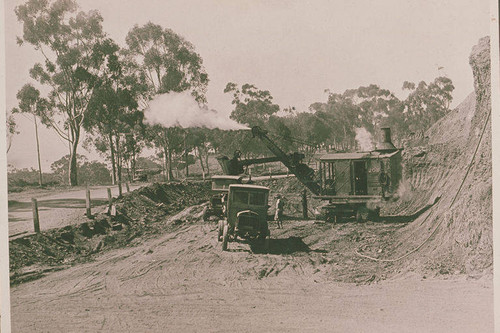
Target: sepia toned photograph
x,y
248,166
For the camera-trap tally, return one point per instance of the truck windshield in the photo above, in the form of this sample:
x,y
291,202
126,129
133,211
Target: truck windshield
x,y
257,199
250,198
241,197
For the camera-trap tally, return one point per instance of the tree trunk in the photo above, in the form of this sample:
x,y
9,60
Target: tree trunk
x,y
168,155
128,163
132,164
73,166
118,159
201,163
113,163
40,182
164,167
186,156
345,139
206,163
168,163
204,155
69,143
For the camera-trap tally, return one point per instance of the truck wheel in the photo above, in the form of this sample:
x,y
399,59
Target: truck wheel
x,y
375,214
225,236
219,230
361,214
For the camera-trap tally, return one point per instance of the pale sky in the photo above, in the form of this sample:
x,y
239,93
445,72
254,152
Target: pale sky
x,y
294,49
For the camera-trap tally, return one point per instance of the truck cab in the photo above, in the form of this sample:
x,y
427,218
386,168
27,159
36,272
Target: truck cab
x,y
246,214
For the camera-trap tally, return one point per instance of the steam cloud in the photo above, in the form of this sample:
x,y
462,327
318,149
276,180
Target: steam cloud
x,y
181,109
364,139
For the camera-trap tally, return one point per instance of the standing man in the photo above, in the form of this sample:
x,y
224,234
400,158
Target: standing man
x,y
278,215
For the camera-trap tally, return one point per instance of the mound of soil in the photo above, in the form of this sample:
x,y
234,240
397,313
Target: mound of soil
x,y
140,213
451,167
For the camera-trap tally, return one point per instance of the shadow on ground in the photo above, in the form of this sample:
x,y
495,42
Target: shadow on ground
x,y
282,246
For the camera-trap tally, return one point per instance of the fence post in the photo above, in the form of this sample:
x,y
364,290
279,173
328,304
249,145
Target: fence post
x,y
127,186
110,198
270,174
36,219
87,203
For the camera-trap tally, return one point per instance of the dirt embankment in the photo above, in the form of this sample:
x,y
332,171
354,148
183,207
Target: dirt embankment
x,y
142,212
451,167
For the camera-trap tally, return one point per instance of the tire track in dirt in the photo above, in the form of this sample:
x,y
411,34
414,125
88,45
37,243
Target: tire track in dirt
x,y
172,282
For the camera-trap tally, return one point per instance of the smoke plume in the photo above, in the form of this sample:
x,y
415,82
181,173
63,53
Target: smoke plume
x,y
364,139
181,109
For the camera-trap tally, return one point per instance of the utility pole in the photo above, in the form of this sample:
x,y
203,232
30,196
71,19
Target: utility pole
x,y
40,182
186,155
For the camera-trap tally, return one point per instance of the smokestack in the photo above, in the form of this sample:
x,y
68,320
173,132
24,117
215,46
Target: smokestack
x,y
386,144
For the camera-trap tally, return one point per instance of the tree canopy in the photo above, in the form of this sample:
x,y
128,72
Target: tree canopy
x,y
167,60
95,86
427,102
252,105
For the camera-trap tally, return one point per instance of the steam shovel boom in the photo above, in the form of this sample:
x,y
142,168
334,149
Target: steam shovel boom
x,y
292,161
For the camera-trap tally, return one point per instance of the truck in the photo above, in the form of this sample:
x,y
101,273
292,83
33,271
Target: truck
x,y
245,215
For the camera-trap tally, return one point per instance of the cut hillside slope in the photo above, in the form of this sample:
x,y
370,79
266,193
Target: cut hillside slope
x,y
451,167
430,161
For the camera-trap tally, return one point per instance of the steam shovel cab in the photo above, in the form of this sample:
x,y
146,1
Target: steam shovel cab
x,y
357,183
220,188
246,215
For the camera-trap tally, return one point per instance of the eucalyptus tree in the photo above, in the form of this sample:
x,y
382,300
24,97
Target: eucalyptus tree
x,y
169,63
31,102
69,42
427,102
113,108
252,106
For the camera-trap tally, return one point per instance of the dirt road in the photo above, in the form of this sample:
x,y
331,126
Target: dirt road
x,y
56,209
182,282
64,207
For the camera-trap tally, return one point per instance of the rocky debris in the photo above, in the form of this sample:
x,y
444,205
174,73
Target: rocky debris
x,y
143,212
